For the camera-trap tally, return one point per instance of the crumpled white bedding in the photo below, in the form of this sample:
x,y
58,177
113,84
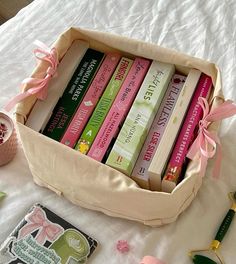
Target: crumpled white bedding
x,y
205,29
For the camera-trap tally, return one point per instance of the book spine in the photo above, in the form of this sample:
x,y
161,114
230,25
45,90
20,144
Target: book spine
x,y
90,100
119,109
137,124
140,171
73,95
163,151
42,110
103,106
194,115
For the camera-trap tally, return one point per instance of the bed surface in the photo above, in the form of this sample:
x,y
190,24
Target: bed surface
x,y
205,29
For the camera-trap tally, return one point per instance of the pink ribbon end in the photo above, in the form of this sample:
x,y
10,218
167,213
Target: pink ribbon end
x,y
207,143
39,86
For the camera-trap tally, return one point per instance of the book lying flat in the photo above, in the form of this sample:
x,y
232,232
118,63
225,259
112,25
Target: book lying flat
x,y
162,154
44,237
186,136
140,171
95,122
90,100
73,94
137,124
42,110
119,109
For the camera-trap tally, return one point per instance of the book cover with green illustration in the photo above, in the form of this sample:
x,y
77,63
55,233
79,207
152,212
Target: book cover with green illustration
x,y
44,237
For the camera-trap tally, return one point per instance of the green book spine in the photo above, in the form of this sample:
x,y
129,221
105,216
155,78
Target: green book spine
x,y
136,126
84,143
73,94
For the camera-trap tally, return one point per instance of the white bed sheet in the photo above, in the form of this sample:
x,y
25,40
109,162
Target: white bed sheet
x,y
205,29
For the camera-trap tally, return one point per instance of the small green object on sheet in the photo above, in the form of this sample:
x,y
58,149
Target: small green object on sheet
x,y
2,195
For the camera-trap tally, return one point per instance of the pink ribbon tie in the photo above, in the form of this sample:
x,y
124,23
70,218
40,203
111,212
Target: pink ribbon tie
x,y
39,86
37,220
206,142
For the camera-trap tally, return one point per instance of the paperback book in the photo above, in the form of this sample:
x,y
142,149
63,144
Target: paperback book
x,y
137,124
119,109
95,122
44,237
42,110
162,154
73,94
186,136
140,171
90,100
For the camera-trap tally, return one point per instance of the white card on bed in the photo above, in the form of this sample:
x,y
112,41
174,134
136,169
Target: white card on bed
x,y
42,110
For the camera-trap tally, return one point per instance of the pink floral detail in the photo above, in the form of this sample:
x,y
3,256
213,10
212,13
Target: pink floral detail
x,y
122,246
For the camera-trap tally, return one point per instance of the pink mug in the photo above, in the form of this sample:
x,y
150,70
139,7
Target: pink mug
x,y
8,139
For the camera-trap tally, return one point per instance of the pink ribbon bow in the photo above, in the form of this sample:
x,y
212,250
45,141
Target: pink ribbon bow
x,y
39,86
206,141
37,220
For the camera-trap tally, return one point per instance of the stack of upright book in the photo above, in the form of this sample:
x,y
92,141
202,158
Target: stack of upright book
x,y
136,115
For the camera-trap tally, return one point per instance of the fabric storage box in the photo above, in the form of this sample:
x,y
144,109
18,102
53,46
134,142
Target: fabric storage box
x,y
94,185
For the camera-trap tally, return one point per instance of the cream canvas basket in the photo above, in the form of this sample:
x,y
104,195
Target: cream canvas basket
x,y
94,185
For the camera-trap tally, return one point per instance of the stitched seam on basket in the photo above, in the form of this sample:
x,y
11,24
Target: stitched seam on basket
x,y
180,210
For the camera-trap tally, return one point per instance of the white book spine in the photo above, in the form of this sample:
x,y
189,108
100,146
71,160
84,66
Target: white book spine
x,y
42,110
140,171
164,149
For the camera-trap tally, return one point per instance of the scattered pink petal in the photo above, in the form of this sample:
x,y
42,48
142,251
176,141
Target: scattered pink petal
x,y
122,246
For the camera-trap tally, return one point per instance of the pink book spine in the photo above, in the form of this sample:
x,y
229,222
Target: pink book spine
x,y
186,134
90,100
119,108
